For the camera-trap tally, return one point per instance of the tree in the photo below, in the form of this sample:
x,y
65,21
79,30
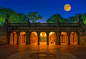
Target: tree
x,y
84,18
72,19
14,17
54,19
33,16
66,20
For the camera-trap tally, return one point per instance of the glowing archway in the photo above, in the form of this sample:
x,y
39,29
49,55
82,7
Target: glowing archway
x,y
52,38
34,38
73,38
43,38
64,38
22,38
13,38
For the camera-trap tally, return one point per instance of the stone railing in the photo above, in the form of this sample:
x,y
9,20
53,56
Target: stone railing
x,y
18,24
69,24
44,24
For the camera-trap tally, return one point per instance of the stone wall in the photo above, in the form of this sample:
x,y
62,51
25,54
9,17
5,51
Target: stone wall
x,y
83,40
3,38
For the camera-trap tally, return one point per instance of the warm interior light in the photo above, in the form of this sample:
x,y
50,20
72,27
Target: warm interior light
x,y
41,34
22,33
50,32
64,33
45,34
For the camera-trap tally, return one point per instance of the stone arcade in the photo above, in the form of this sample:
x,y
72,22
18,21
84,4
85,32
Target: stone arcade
x,y
44,33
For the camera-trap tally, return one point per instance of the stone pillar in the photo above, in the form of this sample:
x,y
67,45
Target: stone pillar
x,y
68,38
38,24
18,38
59,38
38,37
47,38
8,37
29,37
56,39
78,39
27,40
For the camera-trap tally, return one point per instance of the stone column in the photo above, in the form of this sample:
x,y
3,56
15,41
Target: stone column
x,y
47,38
27,40
56,39
78,39
38,37
68,38
18,38
59,38
8,37
29,37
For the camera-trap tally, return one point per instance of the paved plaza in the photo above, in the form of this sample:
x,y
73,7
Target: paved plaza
x,y
42,52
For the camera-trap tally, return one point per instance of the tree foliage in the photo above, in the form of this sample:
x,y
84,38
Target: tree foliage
x,y
77,18
72,19
54,19
14,17
84,18
33,16
20,17
17,17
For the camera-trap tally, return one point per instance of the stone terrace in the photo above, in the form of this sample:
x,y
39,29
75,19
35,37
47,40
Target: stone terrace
x,y
77,51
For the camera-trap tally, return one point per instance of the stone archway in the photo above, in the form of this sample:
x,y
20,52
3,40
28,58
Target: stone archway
x,y
22,38
43,38
33,38
64,38
52,38
13,38
73,38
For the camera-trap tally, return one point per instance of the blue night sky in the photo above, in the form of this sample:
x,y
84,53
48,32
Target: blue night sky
x,y
46,8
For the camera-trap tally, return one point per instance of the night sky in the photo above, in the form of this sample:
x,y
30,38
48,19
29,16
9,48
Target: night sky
x,y
46,8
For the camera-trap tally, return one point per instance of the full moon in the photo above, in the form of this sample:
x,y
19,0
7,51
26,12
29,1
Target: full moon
x,y
67,7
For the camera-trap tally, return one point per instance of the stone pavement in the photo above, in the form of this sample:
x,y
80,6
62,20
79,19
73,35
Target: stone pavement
x,y
42,52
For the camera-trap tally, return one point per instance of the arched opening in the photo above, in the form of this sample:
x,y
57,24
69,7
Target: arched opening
x,y
43,38
64,38
52,38
33,38
13,38
22,38
73,38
